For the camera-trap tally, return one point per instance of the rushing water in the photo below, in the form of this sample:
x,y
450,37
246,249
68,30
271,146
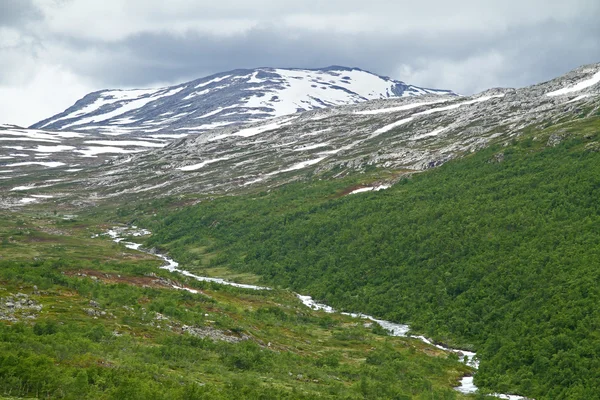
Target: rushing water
x,y
470,358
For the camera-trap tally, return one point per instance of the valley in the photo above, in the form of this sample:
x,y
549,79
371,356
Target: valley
x,y
471,220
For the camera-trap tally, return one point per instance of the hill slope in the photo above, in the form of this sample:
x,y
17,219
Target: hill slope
x,y
85,318
498,251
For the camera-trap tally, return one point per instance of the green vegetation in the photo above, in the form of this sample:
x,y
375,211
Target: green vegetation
x,y
85,318
496,253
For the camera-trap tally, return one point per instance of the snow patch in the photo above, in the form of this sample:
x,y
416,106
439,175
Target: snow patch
x,y
215,80
430,134
579,86
28,200
137,143
399,108
455,106
202,164
389,127
93,151
578,98
21,188
300,165
370,189
49,164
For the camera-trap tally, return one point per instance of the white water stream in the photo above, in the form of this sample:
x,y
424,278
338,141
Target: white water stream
x,y
470,358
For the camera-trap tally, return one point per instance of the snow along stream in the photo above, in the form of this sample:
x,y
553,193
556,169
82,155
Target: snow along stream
x,y
466,384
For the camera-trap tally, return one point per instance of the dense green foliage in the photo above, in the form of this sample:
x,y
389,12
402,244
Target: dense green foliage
x,y
502,256
104,332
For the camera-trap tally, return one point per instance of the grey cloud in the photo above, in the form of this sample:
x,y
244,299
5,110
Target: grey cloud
x,y
465,45
530,53
15,12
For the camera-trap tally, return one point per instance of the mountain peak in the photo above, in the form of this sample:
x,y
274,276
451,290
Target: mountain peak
x,y
227,98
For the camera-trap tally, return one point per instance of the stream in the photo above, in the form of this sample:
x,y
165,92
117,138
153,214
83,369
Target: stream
x,y
470,358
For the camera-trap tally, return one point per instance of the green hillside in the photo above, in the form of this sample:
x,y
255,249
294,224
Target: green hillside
x,y
498,251
84,318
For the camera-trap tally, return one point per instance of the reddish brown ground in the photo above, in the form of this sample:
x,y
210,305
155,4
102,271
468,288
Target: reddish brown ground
x,y
141,281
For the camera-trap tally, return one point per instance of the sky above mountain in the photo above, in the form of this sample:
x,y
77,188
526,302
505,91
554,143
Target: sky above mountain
x,y
53,52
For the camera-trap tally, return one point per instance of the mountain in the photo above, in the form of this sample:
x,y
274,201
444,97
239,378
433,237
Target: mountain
x,y
485,239
227,98
409,134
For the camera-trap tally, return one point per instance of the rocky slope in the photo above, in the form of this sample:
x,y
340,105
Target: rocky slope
x,y
225,99
31,152
406,134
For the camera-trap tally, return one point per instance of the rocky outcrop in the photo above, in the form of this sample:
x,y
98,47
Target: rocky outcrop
x,y
19,307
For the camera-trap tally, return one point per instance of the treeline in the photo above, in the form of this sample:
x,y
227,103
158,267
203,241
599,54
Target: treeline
x,y
501,254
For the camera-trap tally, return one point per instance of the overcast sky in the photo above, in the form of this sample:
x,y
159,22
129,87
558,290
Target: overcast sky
x,y
53,52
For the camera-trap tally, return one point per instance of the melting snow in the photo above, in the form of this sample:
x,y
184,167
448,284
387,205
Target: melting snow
x,y
38,134
254,79
455,106
49,164
139,143
93,151
576,88
399,108
263,128
196,94
370,189
317,132
20,188
28,200
300,165
391,126
29,139
51,149
202,164
170,136
430,134
583,96
215,112
215,80
124,108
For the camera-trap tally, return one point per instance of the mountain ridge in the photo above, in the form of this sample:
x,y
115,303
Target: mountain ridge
x,y
226,98
407,134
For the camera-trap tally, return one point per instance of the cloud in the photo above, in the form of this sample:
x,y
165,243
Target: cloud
x,y
15,12
465,45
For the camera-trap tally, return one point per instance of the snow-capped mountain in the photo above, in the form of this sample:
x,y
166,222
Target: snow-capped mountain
x,y
397,134
227,98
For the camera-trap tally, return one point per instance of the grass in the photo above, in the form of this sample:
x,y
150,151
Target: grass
x,y
136,347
